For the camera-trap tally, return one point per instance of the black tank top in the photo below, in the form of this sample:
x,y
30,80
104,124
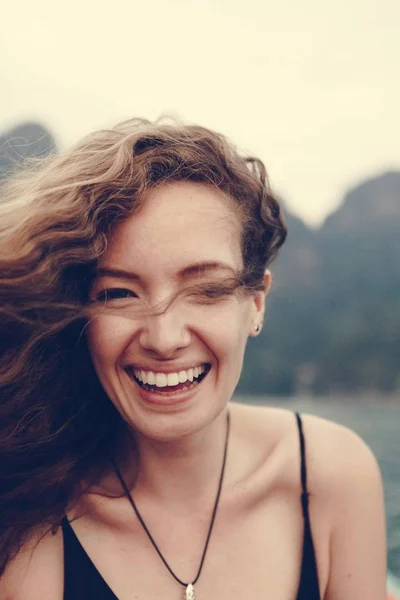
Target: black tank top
x,y
83,581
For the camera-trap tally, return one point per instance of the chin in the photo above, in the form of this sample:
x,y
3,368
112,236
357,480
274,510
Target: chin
x,y
175,424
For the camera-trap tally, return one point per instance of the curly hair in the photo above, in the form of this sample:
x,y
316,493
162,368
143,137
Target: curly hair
x,y
58,428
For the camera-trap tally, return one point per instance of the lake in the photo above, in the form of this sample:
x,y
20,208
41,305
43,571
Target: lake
x,y
379,425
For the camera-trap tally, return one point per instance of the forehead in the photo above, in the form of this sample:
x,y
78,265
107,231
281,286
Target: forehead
x,y
178,224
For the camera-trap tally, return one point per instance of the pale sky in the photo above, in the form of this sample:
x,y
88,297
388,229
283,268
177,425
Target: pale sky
x,y
310,86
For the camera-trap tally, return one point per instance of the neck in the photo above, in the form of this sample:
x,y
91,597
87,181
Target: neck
x,y
182,470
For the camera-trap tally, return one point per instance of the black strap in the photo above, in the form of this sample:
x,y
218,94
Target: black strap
x,y
309,586
303,469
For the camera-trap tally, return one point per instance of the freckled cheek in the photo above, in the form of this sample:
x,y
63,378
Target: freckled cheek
x,y
226,335
107,338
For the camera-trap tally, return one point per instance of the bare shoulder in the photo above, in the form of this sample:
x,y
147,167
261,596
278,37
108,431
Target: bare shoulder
x,y
334,453
345,474
339,461
346,497
37,571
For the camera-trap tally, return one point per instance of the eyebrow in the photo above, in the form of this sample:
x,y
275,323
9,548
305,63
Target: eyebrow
x,y
185,273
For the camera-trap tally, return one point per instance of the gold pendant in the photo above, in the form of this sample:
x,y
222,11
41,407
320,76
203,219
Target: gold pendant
x,y
189,593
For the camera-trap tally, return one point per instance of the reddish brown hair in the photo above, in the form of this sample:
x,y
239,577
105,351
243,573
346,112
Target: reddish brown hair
x,y
58,428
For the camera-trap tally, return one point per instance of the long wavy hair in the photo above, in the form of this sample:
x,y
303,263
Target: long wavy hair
x,y
58,428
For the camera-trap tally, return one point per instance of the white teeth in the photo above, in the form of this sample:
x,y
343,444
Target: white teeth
x,y
172,379
161,380
151,378
182,376
168,379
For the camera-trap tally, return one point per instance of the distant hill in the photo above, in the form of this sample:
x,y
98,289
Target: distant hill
x,y
373,202
24,141
333,317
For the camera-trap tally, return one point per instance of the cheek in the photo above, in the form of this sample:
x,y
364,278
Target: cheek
x,y
240,327
226,330
107,337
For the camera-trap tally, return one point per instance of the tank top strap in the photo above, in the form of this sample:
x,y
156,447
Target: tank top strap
x,y
309,586
303,468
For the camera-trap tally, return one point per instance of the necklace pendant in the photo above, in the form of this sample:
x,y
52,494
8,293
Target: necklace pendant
x,y
189,592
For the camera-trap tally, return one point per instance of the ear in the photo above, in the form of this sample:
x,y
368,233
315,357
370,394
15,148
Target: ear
x,y
258,308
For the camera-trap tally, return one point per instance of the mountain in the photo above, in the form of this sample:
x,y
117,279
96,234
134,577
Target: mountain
x,y
333,317
28,140
373,202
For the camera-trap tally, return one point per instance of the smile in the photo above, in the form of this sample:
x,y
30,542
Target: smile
x,y
169,382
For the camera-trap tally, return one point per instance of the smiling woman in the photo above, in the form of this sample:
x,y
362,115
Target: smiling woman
x,y
178,314
133,271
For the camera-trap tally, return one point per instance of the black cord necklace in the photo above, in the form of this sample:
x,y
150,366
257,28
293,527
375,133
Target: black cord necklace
x,y
189,591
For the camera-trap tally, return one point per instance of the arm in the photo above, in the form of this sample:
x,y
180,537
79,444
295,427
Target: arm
x,y
358,541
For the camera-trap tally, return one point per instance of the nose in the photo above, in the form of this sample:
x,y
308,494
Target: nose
x,y
165,334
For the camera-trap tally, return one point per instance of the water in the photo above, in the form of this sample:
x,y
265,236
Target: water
x,y
379,425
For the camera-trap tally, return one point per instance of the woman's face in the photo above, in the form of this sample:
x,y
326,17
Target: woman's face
x,y
171,372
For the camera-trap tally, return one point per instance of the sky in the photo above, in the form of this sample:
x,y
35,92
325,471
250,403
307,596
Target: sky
x,y
311,87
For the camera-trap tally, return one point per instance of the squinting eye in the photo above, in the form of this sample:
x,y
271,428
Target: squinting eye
x,y
212,293
115,294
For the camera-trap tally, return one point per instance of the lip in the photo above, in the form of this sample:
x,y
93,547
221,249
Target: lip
x,y
165,400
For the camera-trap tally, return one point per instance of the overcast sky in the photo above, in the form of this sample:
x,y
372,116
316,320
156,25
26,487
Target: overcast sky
x,y
311,86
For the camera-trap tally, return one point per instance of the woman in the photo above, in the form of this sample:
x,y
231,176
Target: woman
x,y
134,270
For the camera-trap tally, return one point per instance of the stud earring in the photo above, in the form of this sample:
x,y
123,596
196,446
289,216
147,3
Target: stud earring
x,y
258,327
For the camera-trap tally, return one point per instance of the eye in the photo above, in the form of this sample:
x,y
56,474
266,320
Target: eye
x,y
212,293
115,294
